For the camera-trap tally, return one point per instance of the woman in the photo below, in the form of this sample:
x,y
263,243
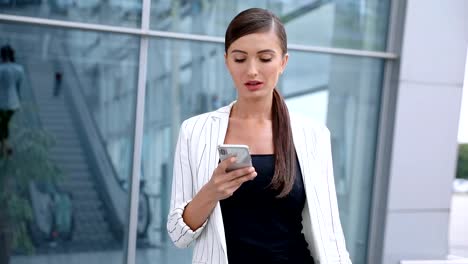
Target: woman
x,y
284,208
11,77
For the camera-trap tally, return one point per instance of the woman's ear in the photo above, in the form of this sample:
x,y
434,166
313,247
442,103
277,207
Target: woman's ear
x,y
284,62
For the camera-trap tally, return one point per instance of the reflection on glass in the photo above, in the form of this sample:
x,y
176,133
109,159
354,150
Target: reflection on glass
x,y
332,23
344,93
187,78
345,90
353,111
73,134
114,12
313,105
184,78
75,126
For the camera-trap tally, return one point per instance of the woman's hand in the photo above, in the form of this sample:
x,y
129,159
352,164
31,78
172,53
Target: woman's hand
x,y
223,184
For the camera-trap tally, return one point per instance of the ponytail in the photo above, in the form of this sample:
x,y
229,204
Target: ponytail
x,y
285,162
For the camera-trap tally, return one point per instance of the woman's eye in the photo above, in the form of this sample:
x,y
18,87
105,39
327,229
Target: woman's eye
x,y
239,60
265,60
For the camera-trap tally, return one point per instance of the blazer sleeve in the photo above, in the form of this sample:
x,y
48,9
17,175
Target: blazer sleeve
x,y
182,193
338,254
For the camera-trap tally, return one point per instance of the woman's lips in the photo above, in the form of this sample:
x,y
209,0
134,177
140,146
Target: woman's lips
x,y
253,85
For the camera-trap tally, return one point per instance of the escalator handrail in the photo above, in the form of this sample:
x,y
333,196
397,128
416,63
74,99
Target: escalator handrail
x,y
100,160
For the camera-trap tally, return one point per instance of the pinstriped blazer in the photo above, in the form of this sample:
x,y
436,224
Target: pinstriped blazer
x,y
196,158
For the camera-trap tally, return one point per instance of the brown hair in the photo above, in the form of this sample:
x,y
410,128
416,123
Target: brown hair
x,y
257,20
8,53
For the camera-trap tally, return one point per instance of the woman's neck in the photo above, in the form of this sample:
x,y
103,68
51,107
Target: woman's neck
x,y
252,109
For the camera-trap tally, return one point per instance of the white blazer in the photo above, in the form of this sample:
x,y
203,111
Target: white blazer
x,y
195,159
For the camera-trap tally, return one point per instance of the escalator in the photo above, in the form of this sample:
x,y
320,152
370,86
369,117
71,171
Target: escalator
x,y
90,225
90,199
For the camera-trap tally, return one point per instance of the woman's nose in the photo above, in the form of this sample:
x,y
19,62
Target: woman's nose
x,y
252,70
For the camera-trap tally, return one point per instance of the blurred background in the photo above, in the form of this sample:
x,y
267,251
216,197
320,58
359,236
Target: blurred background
x,y
106,84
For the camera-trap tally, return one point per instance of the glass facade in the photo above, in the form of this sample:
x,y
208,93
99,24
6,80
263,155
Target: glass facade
x,y
351,24
125,13
344,93
80,90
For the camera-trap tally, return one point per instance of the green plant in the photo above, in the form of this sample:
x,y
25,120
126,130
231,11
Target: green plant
x,y
462,165
30,161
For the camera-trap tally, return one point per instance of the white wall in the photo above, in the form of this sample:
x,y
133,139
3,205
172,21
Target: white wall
x,y
426,124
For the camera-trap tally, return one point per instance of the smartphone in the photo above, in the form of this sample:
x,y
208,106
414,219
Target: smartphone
x,y
241,152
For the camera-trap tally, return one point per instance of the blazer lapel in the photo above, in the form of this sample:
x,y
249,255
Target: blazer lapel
x,y
220,121
306,153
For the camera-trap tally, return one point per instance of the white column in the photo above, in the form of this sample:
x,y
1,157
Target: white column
x,y
424,150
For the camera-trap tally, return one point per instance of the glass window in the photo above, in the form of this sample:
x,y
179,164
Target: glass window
x,y
344,93
339,23
78,92
125,13
188,78
75,125
184,78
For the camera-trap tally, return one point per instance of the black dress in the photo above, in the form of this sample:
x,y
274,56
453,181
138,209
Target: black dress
x,y
261,228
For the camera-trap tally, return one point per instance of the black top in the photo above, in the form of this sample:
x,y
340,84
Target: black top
x,y
261,228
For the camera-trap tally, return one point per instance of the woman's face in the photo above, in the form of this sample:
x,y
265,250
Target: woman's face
x,y
255,62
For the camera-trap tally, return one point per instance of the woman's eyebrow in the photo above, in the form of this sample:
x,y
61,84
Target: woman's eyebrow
x,y
240,51
261,51
267,51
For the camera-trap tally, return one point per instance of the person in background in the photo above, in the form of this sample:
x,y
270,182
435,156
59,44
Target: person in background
x,y
283,209
57,84
11,79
